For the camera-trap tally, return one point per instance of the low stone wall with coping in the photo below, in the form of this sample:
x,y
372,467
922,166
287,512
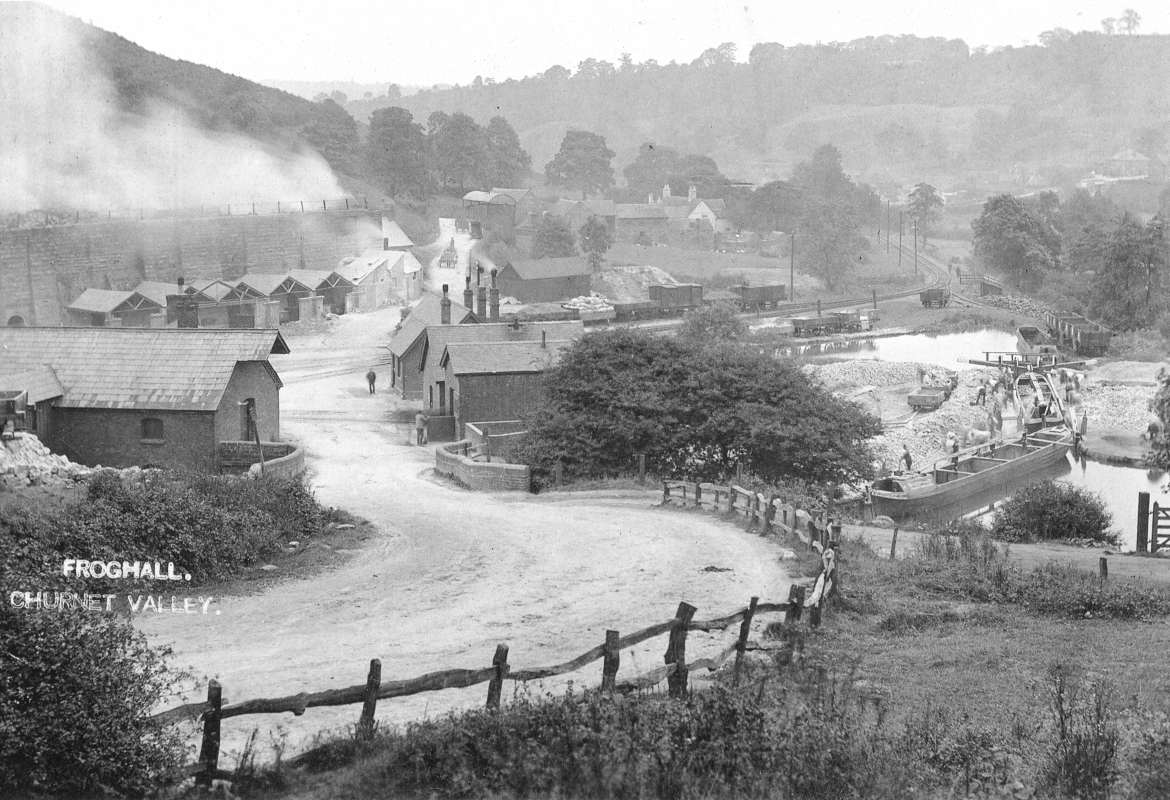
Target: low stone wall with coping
x,y
453,461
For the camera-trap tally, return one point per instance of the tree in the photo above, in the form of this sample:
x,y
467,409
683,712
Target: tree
x,y
397,151
924,208
1013,241
829,215
596,238
719,322
333,132
553,239
1050,510
694,411
1128,289
722,55
459,148
338,97
647,173
1109,25
509,161
1160,406
393,92
1130,21
582,163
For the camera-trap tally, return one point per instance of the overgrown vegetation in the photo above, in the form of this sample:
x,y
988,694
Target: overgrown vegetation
x,y
1051,510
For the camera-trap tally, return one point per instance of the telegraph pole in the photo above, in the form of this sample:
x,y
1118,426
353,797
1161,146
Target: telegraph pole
x,y
887,226
899,238
792,267
915,247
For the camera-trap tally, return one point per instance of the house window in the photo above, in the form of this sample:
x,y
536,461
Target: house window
x,y
152,430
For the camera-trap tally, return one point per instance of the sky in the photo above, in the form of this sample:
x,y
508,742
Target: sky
x,y
424,43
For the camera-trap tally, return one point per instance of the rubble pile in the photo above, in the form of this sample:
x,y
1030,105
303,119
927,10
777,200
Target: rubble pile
x,y
591,302
864,372
1023,305
24,461
1117,406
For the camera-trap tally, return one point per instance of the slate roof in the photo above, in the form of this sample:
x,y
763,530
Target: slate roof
x,y
440,336
493,358
317,278
602,207
639,211
40,382
410,264
429,311
268,282
139,368
157,291
213,289
394,237
100,301
535,269
515,194
357,269
411,331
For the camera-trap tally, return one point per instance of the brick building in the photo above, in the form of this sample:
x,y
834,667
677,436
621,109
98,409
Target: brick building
x,y
409,342
106,307
496,381
545,280
160,397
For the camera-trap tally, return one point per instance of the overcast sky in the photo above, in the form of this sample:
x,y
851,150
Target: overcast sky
x,y
452,42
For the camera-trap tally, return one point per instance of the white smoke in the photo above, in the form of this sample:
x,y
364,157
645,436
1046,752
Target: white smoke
x,y
65,142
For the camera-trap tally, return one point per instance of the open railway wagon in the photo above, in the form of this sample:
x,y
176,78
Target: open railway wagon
x,y
834,322
937,297
677,299
757,297
1087,338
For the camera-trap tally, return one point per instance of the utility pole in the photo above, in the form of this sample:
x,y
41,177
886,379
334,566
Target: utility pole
x,y
916,248
887,226
899,238
792,267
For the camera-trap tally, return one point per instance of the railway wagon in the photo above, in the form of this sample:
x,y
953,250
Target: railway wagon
x,y
627,310
935,297
677,299
766,296
1087,338
813,326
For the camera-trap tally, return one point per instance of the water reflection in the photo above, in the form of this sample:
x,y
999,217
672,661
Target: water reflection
x,y
943,350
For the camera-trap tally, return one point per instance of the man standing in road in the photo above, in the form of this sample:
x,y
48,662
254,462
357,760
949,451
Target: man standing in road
x,y
420,428
371,376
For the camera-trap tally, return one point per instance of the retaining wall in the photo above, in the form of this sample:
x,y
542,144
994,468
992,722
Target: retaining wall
x,y
451,460
280,458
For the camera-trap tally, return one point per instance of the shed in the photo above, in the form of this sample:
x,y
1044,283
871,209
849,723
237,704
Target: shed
x,y
281,287
105,307
545,280
333,287
494,209
393,237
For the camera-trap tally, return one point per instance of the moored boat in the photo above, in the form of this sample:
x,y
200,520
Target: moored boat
x,y
946,483
1031,341
1039,402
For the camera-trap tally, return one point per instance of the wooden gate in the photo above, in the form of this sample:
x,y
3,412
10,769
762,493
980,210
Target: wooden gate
x,y
1155,520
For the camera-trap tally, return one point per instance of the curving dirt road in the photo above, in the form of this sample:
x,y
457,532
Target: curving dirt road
x,y
452,573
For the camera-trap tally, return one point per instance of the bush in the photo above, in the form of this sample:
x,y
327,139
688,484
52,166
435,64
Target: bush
x,y
1050,510
76,688
1083,762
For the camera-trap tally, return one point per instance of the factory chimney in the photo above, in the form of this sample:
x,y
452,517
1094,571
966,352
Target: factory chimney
x,y
494,298
445,308
468,295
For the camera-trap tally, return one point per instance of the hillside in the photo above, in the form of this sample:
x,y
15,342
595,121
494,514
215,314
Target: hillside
x,y
118,116
897,106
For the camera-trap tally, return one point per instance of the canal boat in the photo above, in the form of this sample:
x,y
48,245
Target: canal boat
x,y
1031,341
1040,400
944,485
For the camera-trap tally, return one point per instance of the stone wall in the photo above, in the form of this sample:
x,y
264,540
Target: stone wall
x,y
280,458
451,460
43,269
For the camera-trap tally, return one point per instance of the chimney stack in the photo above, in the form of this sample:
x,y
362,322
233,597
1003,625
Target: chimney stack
x,y
650,199
665,190
543,338
692,193
445,308
481,309
494,298
180,281
468,295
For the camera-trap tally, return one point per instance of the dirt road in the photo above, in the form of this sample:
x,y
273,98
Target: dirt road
x,y
451,572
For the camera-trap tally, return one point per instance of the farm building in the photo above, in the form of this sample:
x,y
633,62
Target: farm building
x,y
330,286
492,209
393,237
638,220
495,381
370,276
109,308
279,288
145,397
526,201
406,274
409,342
713,212
545,280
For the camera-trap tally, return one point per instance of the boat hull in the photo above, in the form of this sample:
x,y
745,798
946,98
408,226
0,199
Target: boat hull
x,y
974,490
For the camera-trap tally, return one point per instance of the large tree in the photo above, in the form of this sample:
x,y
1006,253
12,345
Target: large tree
x,y
1128,289
830,212
695,411
459,148
1012,240
396,150
924,208
509,161
553,239
596,239
582,163
333,133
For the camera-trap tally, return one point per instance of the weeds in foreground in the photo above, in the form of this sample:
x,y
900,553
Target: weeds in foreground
x,y
1084,759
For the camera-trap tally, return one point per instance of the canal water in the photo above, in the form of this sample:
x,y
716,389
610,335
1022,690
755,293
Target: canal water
x,y
943,350
1117,486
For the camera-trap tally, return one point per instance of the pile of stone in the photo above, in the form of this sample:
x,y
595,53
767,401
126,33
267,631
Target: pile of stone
x,y
24,461
591,302
862,372
1124,407
1022,305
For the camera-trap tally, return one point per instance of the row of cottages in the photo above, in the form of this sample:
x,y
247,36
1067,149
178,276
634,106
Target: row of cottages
x,y
672,216
423,371
260,299
122,397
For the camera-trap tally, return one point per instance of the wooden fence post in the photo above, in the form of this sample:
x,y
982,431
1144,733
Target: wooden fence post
x,y
496,685
698,494
676,650
769,513
209,749
641,469
1143,521
665,491
373,683
745,628
796,604
739,473
1104,568
613,659
894,544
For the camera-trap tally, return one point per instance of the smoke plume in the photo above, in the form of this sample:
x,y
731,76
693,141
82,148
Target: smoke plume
x,y
66,142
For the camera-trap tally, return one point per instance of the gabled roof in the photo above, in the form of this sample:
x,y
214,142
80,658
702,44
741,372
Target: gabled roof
x,y
100,301
563,207
1129,154
213,289
356,270
429,311
410,264
158,291
675,200
601,207
39,382
439,336
318,279
639,211
175,369
411,331
534,269
268,283
493,358
515,194
394,237
489,197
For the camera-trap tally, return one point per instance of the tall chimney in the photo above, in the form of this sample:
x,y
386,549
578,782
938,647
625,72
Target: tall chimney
x,y
665,190
650,199
543,338
494,298
481,309
445,308
180,281
692,193
468,295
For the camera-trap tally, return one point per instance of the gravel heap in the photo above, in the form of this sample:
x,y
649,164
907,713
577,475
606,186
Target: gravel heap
x,y
1117,406
864,372
1023,305
24,461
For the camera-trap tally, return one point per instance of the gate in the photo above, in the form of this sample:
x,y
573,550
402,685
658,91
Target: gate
x,y
1152,522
